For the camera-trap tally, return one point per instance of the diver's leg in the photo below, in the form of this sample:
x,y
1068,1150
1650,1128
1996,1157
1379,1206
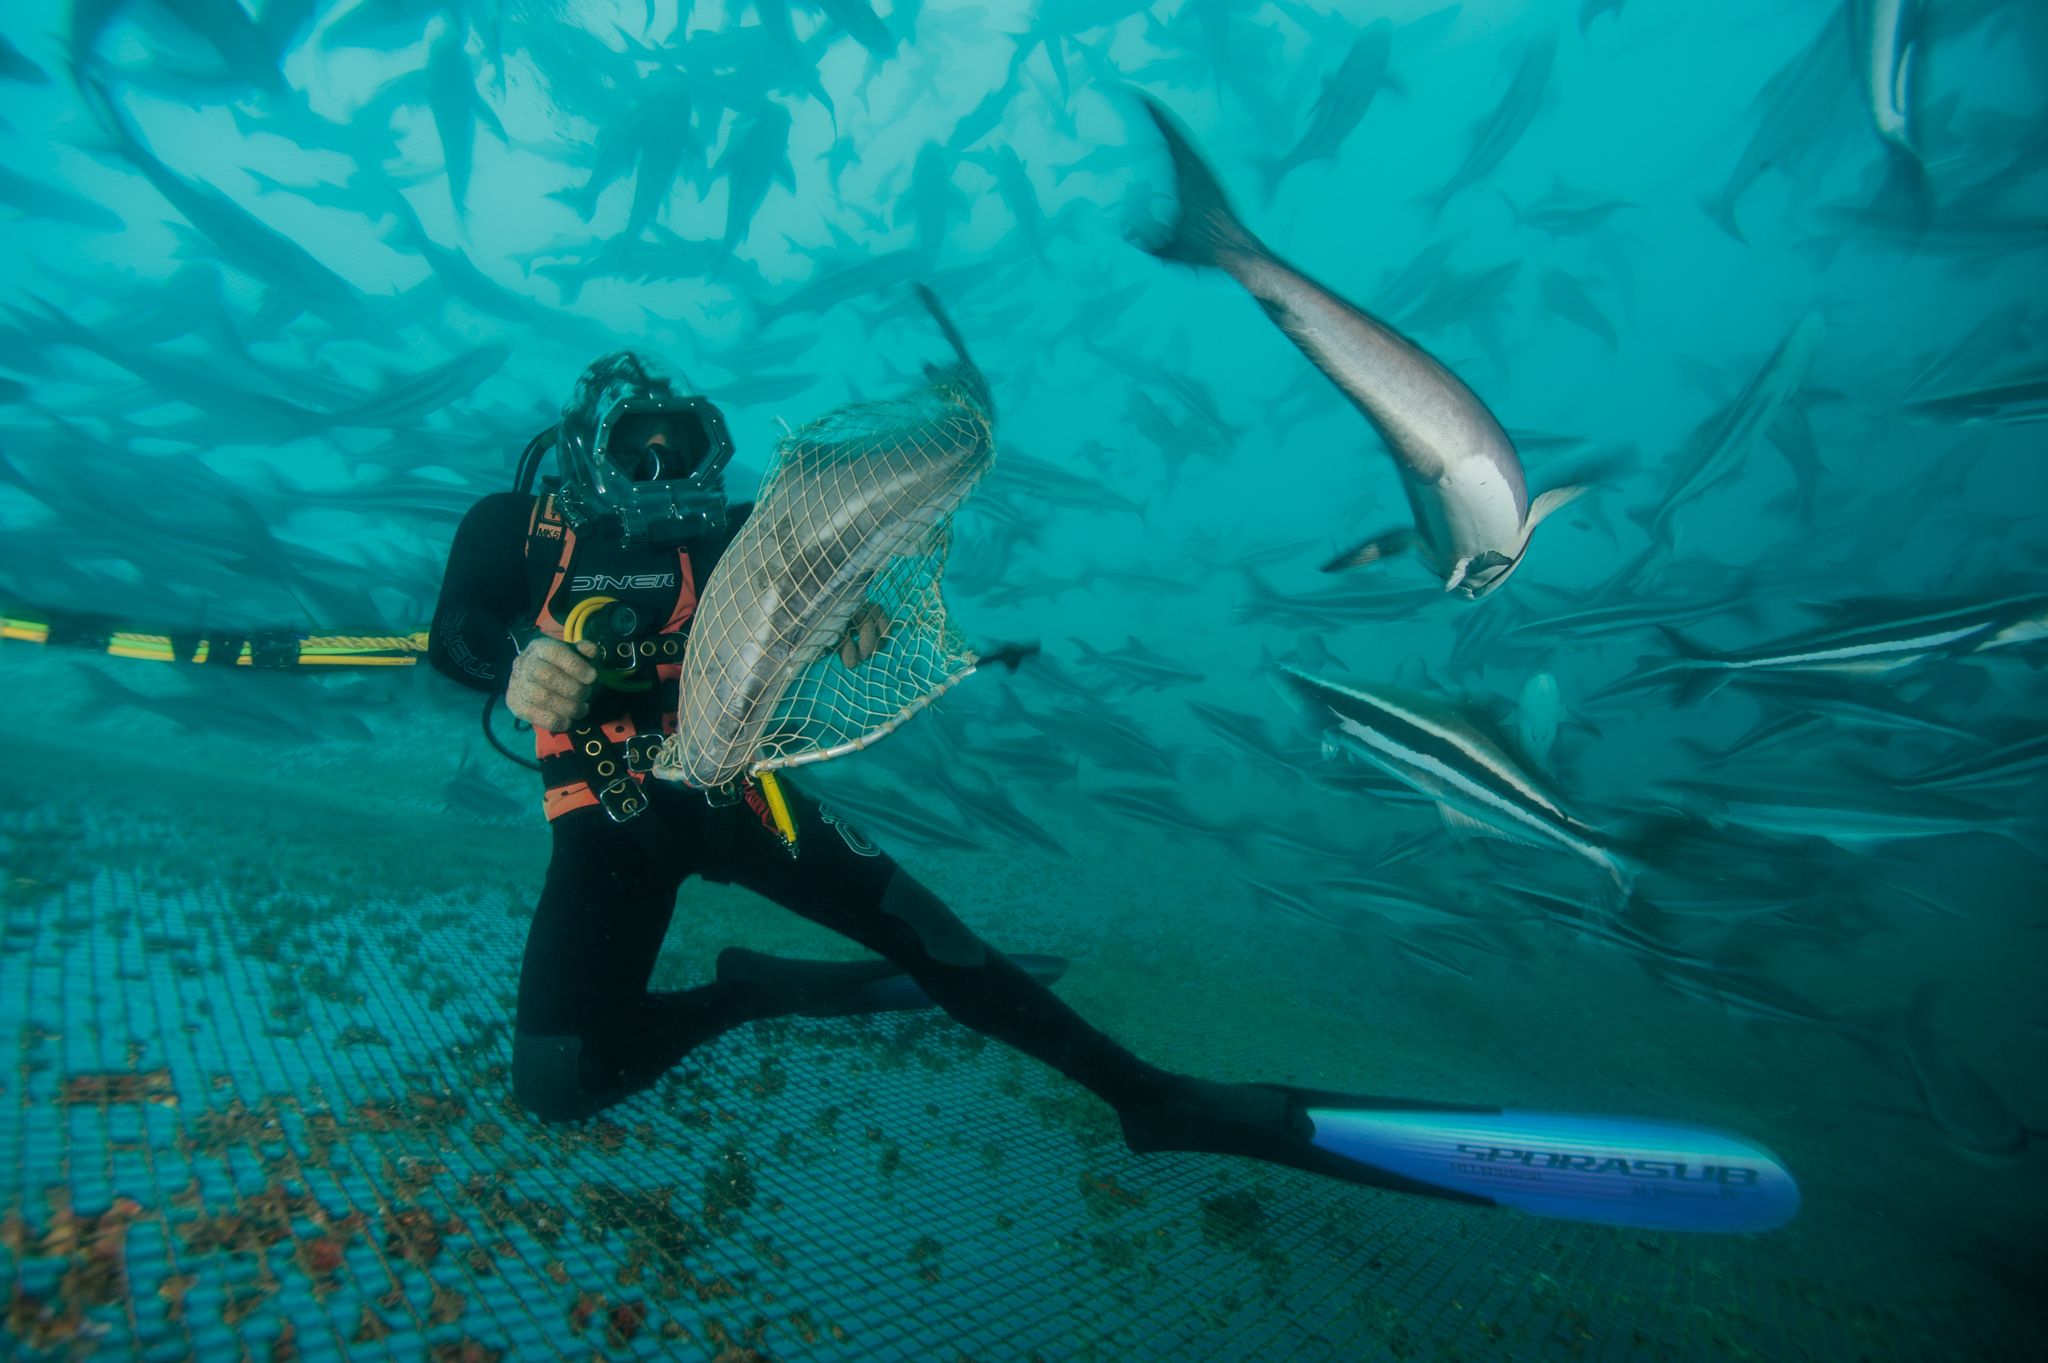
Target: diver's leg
x,y
588,1033
842,881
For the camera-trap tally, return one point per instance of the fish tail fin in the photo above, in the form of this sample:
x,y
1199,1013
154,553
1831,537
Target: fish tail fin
x,y
582,198
1380,546
1619,891
1906,192
1721,208
1667,840
1680,644
1693,675
1689,678
1271,173
568,284
106,692
1204,231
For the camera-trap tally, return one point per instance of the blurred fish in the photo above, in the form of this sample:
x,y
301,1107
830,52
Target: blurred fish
x,y
1036,762
1108,739
403,399
1797,121
1566,212
1097,313
2017,759
1138,666
1968,1111
1956,232
657,141
1537,714
1869,638
933,203
37,200
1428,949
1014,188
1151,584
1810,696
457,106
1447,754
1248,734
1328,608
1473,516
2015,401
1498,133
1746,993
1406,902
983,119
237,717
1294,903
1889,51
1160,807
1717,450
17,68
838,283
1045,481
760,388
471,792
252,50
1209,552
988,806
1984,347
1589,10
1347,92
862,24
1869,815
755,159
897,816
659,256
1566,297
245,243
1055,22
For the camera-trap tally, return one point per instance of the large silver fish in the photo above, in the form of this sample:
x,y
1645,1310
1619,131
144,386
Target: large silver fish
x,y
1473,515
1477,784
828,523
1888,43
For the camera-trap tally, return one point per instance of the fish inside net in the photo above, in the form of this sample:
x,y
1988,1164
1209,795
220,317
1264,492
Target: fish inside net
x,y
856,511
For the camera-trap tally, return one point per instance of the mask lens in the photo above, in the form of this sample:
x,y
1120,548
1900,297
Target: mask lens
x,y
635,447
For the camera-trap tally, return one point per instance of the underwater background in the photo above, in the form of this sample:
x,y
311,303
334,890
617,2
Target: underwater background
x,y
289,286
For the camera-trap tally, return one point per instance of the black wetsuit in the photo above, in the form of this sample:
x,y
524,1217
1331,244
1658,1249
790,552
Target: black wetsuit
x,y
588,1032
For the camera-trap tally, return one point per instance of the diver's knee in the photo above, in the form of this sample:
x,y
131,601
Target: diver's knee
x,y
937,928
546,1078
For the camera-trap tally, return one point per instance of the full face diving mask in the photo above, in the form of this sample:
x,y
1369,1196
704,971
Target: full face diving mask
x,y
648,496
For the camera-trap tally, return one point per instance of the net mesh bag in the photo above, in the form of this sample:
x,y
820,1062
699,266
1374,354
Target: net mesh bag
x,y
854,516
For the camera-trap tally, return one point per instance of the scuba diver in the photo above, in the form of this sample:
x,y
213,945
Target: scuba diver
x,y
574,605
629,536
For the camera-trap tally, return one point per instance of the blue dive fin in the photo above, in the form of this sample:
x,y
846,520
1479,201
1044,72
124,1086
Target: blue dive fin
x,y
1615,1171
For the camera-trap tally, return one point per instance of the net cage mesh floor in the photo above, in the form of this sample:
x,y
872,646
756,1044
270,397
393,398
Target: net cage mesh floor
x,y
243,1123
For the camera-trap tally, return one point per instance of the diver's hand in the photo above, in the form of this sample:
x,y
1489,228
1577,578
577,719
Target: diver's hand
x,y
551,683
865,634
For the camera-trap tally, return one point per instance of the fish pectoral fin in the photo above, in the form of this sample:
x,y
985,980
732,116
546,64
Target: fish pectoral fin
x,y
1464,825
1553,501
1466,567
1384,545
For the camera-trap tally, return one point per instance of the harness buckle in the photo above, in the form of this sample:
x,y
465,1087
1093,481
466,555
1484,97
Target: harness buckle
x,y
622,799
641,752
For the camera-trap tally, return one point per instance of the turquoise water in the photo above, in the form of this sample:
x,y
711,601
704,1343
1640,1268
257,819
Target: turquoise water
x,y
288,289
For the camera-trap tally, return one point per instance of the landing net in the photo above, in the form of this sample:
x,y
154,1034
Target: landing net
x,y
853,522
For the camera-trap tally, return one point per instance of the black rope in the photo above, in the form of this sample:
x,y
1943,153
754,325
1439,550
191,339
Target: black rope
x,y
491,735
